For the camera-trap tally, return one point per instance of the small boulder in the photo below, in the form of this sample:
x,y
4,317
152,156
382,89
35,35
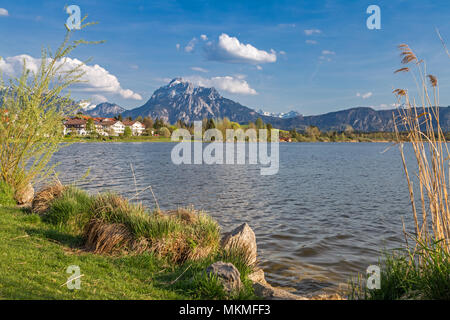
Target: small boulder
x,y
244,237
257,276
228,275
25,195
267,292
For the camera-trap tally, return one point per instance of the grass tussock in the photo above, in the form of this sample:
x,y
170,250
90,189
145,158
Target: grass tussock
x,y
106,237
110,224
44,197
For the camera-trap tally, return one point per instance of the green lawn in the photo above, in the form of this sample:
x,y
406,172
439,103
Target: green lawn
x,y
34,257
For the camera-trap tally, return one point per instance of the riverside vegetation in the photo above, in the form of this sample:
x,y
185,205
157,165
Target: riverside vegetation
x,y
421,270
164,130
123,249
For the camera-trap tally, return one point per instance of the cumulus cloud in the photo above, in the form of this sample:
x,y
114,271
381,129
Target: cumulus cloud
x,y
227,83
259,67
310,32
4,12
199,69
204,37
230,49
364,95
178,46
96,79
191,45
311,41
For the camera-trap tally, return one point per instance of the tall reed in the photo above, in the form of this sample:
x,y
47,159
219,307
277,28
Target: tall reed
x,y
420,120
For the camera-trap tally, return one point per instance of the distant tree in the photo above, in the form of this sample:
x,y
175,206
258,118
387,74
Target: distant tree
x,y
313,131
119,117
293,133
90,126
139,118
148,122
235,125
159,123
127,132
129,118
210,124
164,132
259,123
348,129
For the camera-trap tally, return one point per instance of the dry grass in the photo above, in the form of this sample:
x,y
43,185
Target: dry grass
x,y
44,197
179,235
421,122
104,237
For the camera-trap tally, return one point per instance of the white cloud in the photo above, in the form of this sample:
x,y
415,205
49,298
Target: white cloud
x,y
204,37
323,58
364,95
226,83
259,67
96,79
311,41
328,52
287,25
4,12
199,69
230,49
282,52
310,32
191,45
385,106
98,98
178,46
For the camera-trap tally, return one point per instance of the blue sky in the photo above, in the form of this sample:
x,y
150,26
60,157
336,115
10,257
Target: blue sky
x,y
309,56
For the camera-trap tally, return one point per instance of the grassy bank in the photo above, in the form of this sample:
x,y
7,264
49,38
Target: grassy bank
x,y
163,257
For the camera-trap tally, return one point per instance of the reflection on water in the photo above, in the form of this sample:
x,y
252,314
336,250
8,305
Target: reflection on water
x,y
324,217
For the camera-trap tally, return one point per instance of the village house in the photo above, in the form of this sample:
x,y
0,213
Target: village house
x,y
103,126
137,128
76,126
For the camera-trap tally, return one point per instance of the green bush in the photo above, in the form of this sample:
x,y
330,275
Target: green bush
x,y
6,195
164,132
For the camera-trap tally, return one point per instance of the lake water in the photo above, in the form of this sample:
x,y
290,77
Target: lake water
x,y
322,219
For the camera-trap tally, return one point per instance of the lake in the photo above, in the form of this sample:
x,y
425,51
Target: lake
x,y
322,219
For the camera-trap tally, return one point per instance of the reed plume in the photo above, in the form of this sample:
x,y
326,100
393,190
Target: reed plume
x,y
427,139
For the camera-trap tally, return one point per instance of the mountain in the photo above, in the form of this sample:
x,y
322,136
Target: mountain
x,y
180,99
183,100
105,109
282,115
